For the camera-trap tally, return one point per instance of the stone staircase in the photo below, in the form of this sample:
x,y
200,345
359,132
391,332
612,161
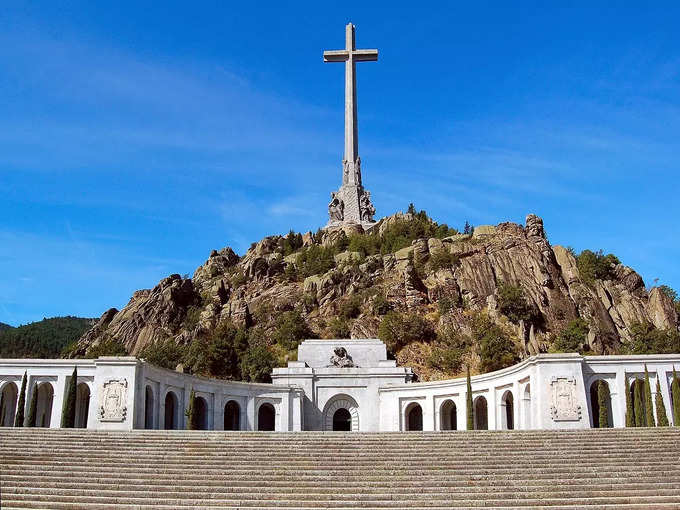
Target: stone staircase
x,y
84,469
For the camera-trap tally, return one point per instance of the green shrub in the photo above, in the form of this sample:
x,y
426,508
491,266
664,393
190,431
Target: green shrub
x,y
32,408
675,392
257,364
192,317
639,403
165,354
602,400
442,259
661,416
573,337
365,244
398,330
513,304
630,413
350,308
315,259
21,405
291,243
381,305
649,406
596,265
646,339
68,411
217,355
673,296
496,348
339,327
108,346
447,354
290,329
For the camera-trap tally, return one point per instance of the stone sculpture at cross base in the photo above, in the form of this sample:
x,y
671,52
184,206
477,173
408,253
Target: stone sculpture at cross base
x,y
351,204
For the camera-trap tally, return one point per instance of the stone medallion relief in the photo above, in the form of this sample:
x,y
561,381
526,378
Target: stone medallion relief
x,y
564,405
113,399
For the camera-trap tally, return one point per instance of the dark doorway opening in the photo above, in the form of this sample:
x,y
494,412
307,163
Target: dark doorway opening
x,y
342,420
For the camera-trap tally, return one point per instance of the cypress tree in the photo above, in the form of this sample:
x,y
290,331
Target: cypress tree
x,y
2,409
68,412
190,412
675,391
661,417
638,404
21,406
649,407
630,415
468,405
602,399
32,408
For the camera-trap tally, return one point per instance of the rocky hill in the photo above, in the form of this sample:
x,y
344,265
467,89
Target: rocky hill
x,y
441,300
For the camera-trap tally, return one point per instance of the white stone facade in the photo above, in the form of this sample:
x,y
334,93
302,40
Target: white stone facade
x,y
334,385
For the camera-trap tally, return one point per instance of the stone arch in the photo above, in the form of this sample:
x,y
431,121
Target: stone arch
x,y
341,402
595,403
171,422
45,399
232,416
10,395
82,405
481,413
413,416
201,413
507,411
149,402
266,417
526,406
448,415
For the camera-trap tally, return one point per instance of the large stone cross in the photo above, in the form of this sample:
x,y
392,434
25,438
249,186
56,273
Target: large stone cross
x,y
351,204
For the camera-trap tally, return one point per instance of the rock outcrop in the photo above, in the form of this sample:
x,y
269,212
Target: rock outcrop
x,y
252,290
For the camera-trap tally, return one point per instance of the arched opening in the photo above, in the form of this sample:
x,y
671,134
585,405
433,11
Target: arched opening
x,y
8,408
334,404
448,417
599,396
342,420
148,408
266,417
44,405
201,413
82,405
232,416
414,417
508,410
170,411
481,418
526,406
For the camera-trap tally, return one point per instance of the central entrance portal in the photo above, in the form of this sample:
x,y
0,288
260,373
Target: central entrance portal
x,y
342,420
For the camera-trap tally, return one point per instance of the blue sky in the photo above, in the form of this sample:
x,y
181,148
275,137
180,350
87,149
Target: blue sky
x,y
137,136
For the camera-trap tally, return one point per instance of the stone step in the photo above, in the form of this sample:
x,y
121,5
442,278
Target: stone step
x,y
16,505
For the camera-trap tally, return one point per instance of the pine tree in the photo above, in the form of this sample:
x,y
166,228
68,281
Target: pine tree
x,y
661,417
68,412
649,406
638,403
190,412
470,415
630,414
21,406
675,391
602,399
32,408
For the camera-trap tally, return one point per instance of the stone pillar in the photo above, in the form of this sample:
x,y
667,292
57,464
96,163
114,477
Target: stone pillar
x,y
219,412
429,414
618,395
58,401
666,395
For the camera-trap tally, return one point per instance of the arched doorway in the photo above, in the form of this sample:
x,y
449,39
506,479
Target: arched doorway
x,y
148,408
266,417
342,420
201,413
170,411
599,392
44,405
232,416
82,405
448,417
8,409
480,414
414,417
508,410
526,407
336,403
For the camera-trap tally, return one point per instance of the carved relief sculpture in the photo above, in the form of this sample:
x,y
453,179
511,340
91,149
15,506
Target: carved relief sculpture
x,y
564,406
341,358
336,207
113,398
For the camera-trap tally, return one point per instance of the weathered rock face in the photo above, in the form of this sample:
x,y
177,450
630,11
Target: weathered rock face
x,y
254,289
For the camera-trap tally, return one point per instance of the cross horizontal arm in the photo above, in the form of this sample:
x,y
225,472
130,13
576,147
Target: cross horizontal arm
x,y
365,55
335,56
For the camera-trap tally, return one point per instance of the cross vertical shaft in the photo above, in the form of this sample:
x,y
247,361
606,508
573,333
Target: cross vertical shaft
x,y
351,138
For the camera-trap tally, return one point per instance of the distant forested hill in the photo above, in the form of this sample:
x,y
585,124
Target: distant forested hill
x,y
42,339
4,326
